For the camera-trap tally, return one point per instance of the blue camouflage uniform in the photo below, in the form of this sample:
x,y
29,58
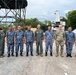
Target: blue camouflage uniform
x,y
70,36
10,36
49,35
29,40
19,35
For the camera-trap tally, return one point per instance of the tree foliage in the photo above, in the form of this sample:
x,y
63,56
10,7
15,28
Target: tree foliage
x,y
71,19
4,27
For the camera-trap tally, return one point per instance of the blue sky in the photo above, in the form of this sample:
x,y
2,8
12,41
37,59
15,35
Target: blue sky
x,y
45,9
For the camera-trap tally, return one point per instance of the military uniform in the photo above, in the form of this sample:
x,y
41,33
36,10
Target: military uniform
x,y
10,38
59,37
38,38
29,41
70,37
49,36
2,43
19,35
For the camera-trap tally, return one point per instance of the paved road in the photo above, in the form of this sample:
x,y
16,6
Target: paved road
x,y
37,65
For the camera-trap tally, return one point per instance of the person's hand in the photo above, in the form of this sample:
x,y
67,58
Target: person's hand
x,y
14,42
53,40
64,42
56,42
45,41
6,41
73,43
24,42
34,41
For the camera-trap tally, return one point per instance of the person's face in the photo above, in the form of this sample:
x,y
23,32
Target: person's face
x,y
60,27
10,28
29,27
49,28
38,26
69,29
1,30
19,28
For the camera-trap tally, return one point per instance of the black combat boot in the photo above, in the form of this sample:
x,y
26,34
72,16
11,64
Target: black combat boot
x,y
21,54
45,53
27,54
67,55
31,53
16,54
12,54
8,55
51,54
70,55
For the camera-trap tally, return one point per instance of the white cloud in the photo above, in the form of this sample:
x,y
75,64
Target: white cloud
x,y
44,9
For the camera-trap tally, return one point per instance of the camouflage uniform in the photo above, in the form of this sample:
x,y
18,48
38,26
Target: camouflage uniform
x,y
59,37
19,35
29,41
10,36
70,36
49,36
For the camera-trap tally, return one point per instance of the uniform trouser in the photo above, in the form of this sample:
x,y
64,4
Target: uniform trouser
x,y
39,45
48,43
29,44
10,47
61,44
2,49
1,52
69,46
17,47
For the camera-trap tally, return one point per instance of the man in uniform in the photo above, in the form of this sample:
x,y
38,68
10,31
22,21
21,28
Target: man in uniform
x,y
2,42
10,40
29,38
39,39
59,37
49,38
70,39
19,41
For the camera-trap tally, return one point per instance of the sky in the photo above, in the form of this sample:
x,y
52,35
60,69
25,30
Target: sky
x,y
45,9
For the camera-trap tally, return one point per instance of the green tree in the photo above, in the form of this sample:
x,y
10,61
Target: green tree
x,y
4,27
47,22
71,19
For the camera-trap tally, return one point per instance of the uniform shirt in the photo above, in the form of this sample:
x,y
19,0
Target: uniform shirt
x,y
39,35
49,35
2,36
2,40
19,36
10,36
70,36
29,35
59,35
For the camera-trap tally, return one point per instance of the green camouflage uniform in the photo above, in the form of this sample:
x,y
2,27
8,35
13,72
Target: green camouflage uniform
x,y
2,43
59,37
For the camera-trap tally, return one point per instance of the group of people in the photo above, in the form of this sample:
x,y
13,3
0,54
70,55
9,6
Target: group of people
x,y
19,38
